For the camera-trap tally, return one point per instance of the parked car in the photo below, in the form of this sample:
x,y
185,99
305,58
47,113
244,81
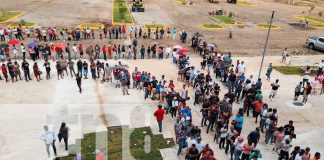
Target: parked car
x,y
315,43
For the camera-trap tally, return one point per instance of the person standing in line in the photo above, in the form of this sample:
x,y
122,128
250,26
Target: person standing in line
x,y
25,68
49,138
79,82
75,51
79,65
64,134
71,68
47,66
23,50
68,51
37,72
159,114
274,90
174,33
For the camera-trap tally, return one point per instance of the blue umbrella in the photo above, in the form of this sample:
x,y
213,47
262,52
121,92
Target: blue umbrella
x,y
37,27
32,44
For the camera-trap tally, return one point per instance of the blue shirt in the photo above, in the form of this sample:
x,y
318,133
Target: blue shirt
x,y
239,121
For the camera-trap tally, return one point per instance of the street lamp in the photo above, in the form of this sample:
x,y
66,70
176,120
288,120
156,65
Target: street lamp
x,y
266,43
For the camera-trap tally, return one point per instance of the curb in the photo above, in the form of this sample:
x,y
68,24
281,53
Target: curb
x,y
212,29
266,28
226,24
316,27
95,28
164,26
14,17
22,26
120,23
242,4
302,17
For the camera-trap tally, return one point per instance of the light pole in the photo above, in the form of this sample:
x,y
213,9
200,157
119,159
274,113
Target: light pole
x,y
266,43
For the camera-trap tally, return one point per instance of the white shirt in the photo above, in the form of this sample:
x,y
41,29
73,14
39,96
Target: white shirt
x,y
22,48
241,68
190,142
175,103
321,64
168,50
75,49
1,31
298,157
223,132
15,51
48,137
200,146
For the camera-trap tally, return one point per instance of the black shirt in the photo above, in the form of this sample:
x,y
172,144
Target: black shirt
x,y
25,65
289,129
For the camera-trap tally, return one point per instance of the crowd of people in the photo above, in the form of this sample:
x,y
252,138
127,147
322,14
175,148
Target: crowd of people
x,y
216,111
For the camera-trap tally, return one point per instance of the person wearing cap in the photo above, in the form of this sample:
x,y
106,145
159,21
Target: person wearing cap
x,y
159,114
256,153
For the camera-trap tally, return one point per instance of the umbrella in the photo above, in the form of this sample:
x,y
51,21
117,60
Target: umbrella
x,y
32,44
212,45
110,69
4,45
13,41
37,27
183,51
198,35
60,45
127,42
177,46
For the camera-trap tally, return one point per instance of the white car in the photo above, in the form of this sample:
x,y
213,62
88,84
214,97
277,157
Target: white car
x,y
315,43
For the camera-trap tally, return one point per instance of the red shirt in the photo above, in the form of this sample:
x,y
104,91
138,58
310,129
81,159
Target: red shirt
x,y
258,105
159,114
104,49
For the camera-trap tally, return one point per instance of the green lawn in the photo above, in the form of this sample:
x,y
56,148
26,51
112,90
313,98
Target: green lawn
x,y
23,25
267,26
136,145
7,15
317,25
211,26
224,19
313,18
291,70
153,26
121,12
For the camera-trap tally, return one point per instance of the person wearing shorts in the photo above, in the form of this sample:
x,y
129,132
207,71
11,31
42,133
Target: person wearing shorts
x,y
274,90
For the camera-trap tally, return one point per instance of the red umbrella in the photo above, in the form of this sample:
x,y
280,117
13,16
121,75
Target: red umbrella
x,y
183,51
60,45
13,41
